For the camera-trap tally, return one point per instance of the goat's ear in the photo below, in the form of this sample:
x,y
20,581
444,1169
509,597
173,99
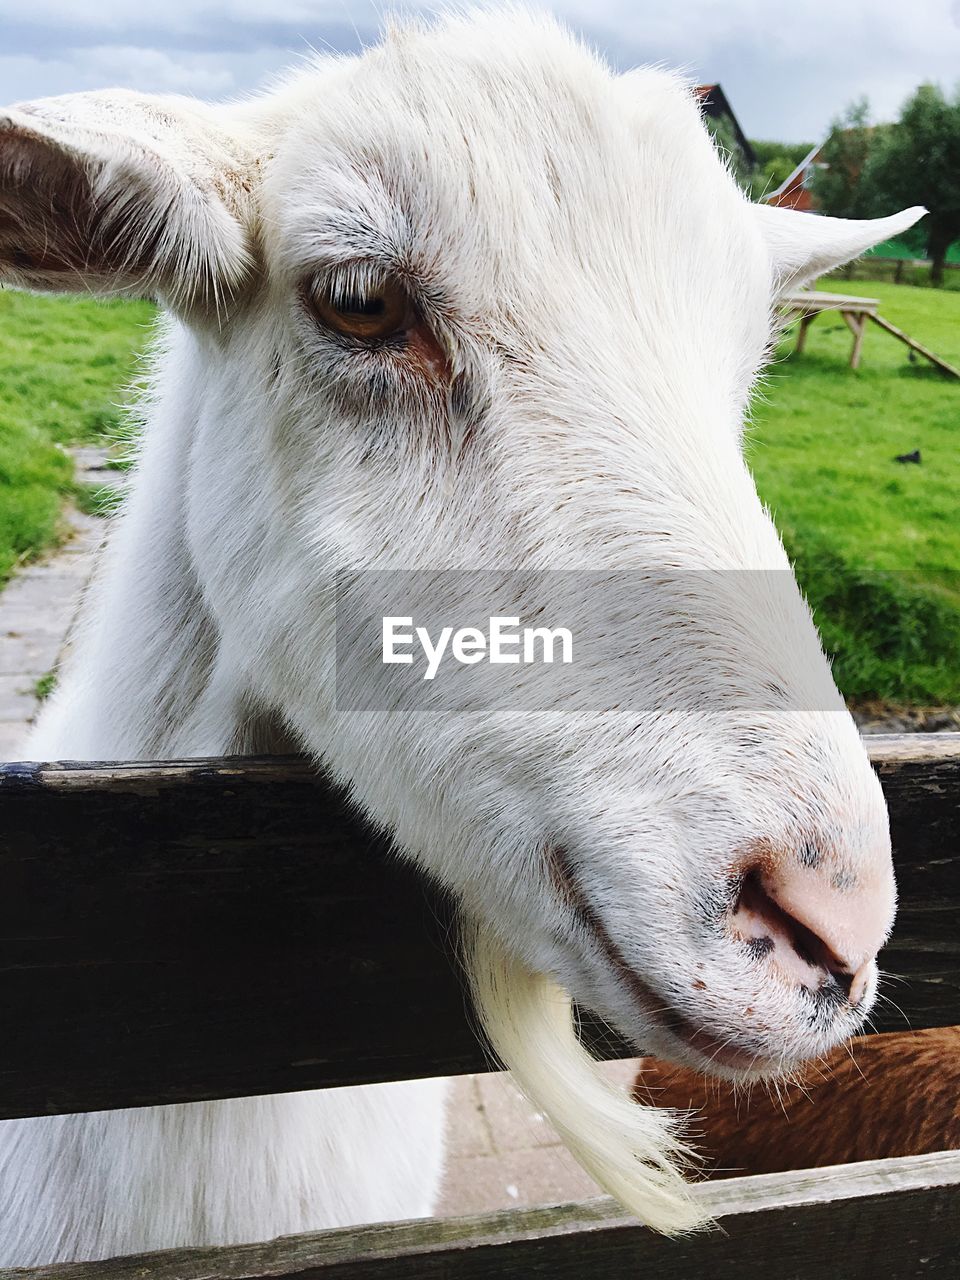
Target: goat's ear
x,y
803,246
124,194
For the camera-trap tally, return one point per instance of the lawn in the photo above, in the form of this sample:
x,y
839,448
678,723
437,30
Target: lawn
x,y
63,365
876,542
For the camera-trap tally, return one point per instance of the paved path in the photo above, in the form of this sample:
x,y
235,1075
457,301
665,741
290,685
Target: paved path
x,y
501,1153
38,608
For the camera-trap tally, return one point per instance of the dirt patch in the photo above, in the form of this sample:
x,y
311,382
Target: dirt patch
x,y
886,717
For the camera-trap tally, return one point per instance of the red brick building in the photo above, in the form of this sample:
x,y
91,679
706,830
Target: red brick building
x,y
795,191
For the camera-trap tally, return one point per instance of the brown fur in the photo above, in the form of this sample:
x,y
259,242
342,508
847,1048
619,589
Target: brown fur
x,y
886,1095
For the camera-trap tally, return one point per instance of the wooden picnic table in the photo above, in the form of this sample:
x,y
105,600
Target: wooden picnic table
x,y
806,306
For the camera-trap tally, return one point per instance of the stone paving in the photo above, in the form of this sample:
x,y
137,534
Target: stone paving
x,y
501,1152
38,608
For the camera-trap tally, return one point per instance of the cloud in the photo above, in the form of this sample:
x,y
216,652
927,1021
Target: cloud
x,y
122,66
787,68
214,76
182,16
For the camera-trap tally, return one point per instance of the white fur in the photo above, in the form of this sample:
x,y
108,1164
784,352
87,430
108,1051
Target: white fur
x,y
635,1153
604,294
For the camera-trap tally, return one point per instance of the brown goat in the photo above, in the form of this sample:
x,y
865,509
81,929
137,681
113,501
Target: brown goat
x,y
884,1095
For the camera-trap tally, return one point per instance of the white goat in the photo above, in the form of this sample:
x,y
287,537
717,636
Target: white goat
x,y
468,301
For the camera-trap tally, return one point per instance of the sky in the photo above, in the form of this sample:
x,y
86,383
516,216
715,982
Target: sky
x,y
787,68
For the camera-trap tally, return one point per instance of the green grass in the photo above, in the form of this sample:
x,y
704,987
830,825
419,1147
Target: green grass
x,y
63,364
98,499
876,542
45,685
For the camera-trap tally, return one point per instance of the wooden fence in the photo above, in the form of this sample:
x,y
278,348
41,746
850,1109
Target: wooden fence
x,y
151,914
893,270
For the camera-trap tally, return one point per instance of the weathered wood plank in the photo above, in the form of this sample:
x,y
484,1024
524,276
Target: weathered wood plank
x,y
172,932
920,775
898,1218
813,301
934,359
178,931
931,749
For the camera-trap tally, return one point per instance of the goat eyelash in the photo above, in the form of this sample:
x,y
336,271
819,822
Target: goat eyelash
x,y
349,281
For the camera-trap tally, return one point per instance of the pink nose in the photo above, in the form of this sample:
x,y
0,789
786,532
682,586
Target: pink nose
x,y
814,925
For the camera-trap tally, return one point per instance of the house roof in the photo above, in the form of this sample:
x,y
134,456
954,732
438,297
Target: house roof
x,y
715,103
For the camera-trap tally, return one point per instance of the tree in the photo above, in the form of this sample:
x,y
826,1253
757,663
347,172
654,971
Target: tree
x,y
775,163
838,179
917,161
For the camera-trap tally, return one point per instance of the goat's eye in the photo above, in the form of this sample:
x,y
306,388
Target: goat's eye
x,y
370,313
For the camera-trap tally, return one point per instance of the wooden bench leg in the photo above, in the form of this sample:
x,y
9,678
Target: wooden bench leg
x,y
857,324
805,322
858,342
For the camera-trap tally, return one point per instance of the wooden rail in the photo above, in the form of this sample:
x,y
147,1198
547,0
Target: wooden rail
x,y
889,1218
152,914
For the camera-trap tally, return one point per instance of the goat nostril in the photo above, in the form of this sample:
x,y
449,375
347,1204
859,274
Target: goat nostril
x,y
767,921
766,927
843,980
